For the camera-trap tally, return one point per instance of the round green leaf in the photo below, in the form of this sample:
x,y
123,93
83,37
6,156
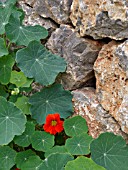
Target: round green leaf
x,y
110,151
12,121
22,103
5,12
3,49
56,161
52,99
33,163
7,158
6,64
79,145
22,157
18,78
75,126
24,140
37,62
42,141
56,149
23,35
82,163
4,3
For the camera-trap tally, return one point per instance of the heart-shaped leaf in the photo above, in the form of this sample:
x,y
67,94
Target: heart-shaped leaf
x,y
42,141
22,157
24,140
3,49
33,163
6,64
23,35
12,121
75,126
52,99
56,161
83,163
56,149
37,62
22,103
79,145
18,78
110,151
7,157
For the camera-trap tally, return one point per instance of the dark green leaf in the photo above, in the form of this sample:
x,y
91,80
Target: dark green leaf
x,y
22,157
52,99
33,163
37,62
75,126
110,151
7,158
56,161
3,92
79,145
83,163
23,35
22,103
6,64
24,140
42,141
3,49
12,121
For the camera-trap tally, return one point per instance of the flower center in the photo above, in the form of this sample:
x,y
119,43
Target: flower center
x,y
54,123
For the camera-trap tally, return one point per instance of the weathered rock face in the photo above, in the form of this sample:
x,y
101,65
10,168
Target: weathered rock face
x,y
79,53
58,10
111,70
32,18
98,120
101,18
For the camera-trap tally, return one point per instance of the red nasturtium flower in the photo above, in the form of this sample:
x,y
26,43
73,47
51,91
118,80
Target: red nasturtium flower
x,y
17,169
53,124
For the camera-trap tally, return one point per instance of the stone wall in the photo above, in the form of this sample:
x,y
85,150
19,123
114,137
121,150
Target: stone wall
x,y
92,37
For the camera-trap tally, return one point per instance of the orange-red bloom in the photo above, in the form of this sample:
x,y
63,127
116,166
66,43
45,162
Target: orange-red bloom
x,y
53,124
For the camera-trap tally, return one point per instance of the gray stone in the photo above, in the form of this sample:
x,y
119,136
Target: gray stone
x,y
32,18
58,10
86,104
80,54
100,19
111,71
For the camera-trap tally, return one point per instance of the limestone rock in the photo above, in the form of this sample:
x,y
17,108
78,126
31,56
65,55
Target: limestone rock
x,y
101,18
98,120
79,53
32,18
58,10
111,70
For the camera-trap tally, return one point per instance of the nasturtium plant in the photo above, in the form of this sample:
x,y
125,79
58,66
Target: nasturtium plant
x,y
23,35
83,163
7,157
24,140
110,151
6,64
42,141
12,121
53,99
79,145
38,63
75,126
37,131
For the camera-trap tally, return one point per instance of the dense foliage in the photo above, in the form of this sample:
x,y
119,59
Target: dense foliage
x,y
30,138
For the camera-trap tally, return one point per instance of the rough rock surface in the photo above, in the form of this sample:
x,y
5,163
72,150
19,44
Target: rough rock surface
x,y
79,53
32,18
111,70
101,18
58,10
98,120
